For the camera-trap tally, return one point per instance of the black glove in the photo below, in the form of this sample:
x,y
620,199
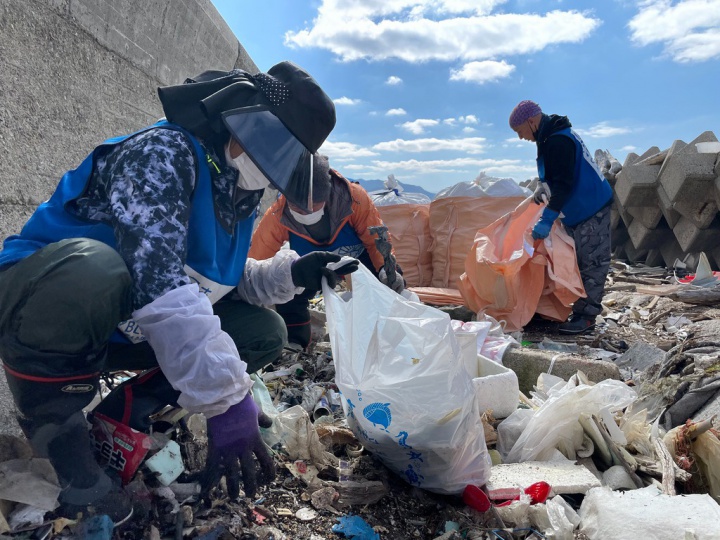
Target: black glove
x,y
541,194
309,270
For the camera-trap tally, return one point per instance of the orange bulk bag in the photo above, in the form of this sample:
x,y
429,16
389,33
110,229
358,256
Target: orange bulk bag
x,y
453,224
510,279
409,227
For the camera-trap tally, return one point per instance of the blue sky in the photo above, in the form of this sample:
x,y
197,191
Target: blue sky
x,y
423,88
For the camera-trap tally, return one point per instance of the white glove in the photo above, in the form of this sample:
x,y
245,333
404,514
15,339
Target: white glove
x,y
398,285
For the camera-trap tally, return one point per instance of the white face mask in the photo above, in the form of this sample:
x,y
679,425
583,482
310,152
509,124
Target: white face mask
x,y
308,219
249,178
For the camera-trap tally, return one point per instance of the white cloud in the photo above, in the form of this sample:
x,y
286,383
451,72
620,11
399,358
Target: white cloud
x,y
471,145
392,80
689,30
446,30
482,72
418,126
356,167
467,119
628,148
344,151
396,112
468,129
346,101
449,165
603,129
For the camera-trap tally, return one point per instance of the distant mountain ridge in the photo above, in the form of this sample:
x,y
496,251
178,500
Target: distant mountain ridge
x,y
377,185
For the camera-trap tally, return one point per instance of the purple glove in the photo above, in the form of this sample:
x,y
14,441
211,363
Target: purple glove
x,y
233,438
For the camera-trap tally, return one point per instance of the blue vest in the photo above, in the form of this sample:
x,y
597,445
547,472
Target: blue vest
x,y
347,242
215,258
591,191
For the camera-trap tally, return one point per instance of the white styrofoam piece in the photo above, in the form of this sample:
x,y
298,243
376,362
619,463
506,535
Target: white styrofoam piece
x,y
510,479
167,463
497,387
647,513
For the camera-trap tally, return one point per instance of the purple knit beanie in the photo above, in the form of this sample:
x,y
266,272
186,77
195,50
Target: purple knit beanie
x,y
523,111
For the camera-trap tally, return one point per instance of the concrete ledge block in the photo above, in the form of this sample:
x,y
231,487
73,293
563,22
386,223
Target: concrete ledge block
x,y
648,216
644,238
671,215
622,212
700,213
631,159
634,254
671,250
692,238
676,146
637,185
654,258
687,175
528,364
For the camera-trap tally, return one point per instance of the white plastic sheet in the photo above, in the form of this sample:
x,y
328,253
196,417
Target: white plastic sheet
x,y
556,423
485,186
406,394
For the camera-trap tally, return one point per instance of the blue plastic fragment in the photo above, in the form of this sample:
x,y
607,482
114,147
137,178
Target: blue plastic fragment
x,y
95,528
355,528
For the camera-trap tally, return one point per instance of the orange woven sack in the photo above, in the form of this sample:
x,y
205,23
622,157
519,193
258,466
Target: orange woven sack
x,y
453,224
509,279
409,227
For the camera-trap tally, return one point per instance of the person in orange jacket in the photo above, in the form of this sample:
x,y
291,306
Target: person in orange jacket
x,y
339,223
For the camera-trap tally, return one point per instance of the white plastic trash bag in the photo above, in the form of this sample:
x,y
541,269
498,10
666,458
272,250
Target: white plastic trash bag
x,y
556,423
406,394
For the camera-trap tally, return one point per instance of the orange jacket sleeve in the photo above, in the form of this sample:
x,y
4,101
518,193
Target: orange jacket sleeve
x,y
270,235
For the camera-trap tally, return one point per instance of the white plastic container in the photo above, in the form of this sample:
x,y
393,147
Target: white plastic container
x,y
708,147
497,387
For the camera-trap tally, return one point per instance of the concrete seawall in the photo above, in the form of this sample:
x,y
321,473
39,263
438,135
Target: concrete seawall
x,y
75,72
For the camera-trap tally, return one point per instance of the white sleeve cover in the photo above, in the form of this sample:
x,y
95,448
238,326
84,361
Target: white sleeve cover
x,y
269,282
197,357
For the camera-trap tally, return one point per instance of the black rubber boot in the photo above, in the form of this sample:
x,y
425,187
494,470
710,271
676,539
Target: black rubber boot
x,y
577,324
87,488
50,414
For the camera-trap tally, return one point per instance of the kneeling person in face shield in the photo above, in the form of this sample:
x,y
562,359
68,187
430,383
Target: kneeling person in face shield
x,y
131,263
340,221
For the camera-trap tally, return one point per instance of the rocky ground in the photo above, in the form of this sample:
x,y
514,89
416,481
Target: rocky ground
x,y
300,505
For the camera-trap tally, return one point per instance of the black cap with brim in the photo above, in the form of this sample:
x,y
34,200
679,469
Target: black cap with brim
x,y
205,104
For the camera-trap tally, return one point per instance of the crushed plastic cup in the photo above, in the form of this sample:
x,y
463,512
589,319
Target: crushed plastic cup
x,y
538,492
476,498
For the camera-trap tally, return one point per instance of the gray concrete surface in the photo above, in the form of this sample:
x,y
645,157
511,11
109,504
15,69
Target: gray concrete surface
x,y
528,364
75,72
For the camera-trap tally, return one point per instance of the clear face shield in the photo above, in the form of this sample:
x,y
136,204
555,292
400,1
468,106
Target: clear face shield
x,y
279,155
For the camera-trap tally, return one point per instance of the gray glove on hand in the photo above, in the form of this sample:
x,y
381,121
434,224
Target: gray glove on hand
x,y
541,194
398,285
